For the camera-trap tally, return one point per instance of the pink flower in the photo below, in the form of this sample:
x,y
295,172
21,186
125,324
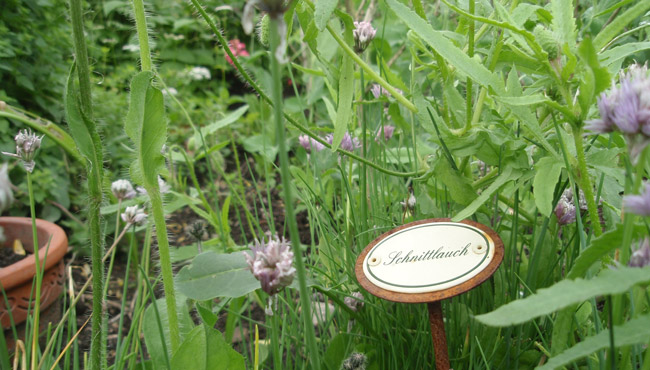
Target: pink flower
x,y
638,204
310,144
272,264
238,49
385,131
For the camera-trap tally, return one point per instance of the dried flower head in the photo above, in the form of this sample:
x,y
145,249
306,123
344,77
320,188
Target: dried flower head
x,y
356,361
134,215
626,108
410,202
27,143
198,230
6,193
310,144
272,264
363,34
354,301
122,189
638,204
641,256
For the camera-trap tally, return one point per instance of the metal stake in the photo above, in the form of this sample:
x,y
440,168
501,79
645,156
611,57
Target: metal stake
x,y
438,334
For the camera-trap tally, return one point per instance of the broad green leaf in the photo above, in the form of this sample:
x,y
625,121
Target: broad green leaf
x,y
443,46
506,176
565,293
635,331
212,275
323,12
338,350
151,329
563,24
548,171
595,78
229,119
600,247
619,23
205,349
147,128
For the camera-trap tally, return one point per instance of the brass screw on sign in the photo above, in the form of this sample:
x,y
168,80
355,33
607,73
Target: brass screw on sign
x,y
471,253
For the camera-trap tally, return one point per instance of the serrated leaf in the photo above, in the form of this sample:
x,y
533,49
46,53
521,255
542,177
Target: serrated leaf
x,y
460,188
635,331
564,24
443,46
548,171
147,128
323,12
506,176
564,294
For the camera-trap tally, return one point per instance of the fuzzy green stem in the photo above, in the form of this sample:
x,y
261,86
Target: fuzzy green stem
x,y
37,298
288,197
143,36
94,171
585,182
165,264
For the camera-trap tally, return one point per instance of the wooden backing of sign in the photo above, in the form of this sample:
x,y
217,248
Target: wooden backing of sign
x,y
436,295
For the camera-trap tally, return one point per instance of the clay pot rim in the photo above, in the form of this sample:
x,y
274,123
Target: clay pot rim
x,y
25,269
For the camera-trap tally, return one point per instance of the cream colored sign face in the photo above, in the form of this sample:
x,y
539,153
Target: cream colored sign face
x,y
428,257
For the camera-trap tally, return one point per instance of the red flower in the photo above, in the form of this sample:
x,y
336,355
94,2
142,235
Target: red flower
x,y
238,49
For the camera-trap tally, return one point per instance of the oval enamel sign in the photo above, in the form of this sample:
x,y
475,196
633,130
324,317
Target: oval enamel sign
x,y
429,259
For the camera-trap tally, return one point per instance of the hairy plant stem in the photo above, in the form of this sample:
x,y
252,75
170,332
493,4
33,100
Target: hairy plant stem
x,y
94,172
585,182
288,197
143,35
39,279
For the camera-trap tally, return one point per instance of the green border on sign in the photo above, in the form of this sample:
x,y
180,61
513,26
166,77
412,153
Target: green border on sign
x,y
428,225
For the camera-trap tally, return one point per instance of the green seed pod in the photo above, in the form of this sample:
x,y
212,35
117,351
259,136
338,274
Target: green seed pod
x,y
547,41
263,30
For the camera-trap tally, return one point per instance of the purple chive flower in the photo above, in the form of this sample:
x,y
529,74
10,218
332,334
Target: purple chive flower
x,y
122,189
386,132
565,210
377,90
347,143
638,204
272,264
363,34
354,301
627,109
134,215
27,143
310,144
641,256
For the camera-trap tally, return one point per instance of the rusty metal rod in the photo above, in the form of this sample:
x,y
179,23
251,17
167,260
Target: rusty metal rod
x,y
438,334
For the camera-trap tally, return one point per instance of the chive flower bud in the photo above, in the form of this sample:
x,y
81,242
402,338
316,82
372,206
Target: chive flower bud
x,y
386,132
363,34
122,189
27,143
134,215
638,204
271,263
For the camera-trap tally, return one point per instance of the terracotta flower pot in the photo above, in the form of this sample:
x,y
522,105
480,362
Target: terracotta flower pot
x,y
16,279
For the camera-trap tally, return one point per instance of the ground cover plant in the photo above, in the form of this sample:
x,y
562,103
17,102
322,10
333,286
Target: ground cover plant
x,y
219,166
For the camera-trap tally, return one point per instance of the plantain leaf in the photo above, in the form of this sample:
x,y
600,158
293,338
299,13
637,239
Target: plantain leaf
x,y
146,126
548,170
564,294
443,46
635,331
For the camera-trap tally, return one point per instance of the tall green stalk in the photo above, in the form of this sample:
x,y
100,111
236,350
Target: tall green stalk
x,y
94,172
153,189
276,96
39,277
585,182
